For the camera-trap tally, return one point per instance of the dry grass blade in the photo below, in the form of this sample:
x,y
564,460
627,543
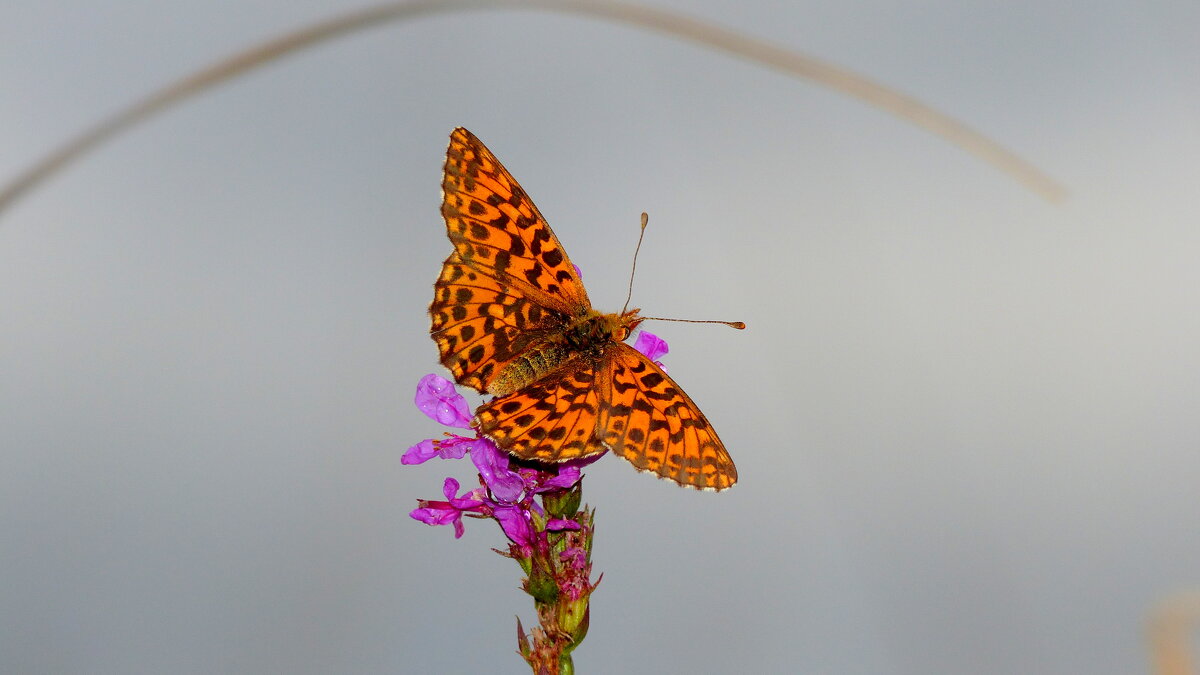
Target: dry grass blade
x,y
839,79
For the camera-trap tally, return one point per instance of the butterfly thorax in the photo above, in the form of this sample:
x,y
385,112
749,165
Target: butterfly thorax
x,y
584,336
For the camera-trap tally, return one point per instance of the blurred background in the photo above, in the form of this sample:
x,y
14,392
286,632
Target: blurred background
x,y
965,419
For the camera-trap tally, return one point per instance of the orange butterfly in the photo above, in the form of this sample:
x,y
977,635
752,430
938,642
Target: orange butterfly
x,y
511,318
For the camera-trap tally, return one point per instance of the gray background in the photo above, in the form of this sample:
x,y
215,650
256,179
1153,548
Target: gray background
x,y
965,420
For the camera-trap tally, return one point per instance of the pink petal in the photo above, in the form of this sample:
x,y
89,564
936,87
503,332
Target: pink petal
x,y
567,476
515,523
558,524
492,464
434,515
450,488
420,453
652,346
437,398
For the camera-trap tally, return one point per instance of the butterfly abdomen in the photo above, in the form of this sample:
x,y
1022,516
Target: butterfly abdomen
x,y
587,335
532,365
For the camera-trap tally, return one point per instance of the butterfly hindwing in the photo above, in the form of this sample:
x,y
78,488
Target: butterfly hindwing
x,y
551,420
649,420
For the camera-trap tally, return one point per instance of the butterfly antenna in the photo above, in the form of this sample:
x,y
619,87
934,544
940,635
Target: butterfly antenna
x,y
732,324
645,220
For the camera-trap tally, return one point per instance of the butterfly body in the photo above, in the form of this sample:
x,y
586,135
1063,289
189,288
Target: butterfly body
x,y
584,336
511,318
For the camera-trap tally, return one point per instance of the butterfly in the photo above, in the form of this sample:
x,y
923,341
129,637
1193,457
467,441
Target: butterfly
x,y
511,318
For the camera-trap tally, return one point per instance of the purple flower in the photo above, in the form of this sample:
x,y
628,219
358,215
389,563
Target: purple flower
x,y
574,556
451,447
507,493
437,398
505,485
450,511
515,522
652,346
573,579
568,474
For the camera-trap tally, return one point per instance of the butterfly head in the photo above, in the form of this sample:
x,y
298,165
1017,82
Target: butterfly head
x,y
626,322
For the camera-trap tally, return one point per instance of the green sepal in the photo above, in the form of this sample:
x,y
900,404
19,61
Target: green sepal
x,y
541,584
563,503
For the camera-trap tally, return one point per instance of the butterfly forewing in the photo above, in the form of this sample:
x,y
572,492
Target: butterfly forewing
x,y
480,324
494,226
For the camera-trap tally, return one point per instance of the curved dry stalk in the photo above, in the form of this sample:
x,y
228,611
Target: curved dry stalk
x,y
793,63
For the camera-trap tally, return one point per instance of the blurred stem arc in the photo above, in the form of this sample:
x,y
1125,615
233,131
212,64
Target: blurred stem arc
x,y
671,23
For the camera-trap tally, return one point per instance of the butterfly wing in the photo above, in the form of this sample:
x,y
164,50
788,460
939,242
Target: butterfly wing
x,y
480,323
619,401
495,227
509,286
552,420
509,283
650,421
